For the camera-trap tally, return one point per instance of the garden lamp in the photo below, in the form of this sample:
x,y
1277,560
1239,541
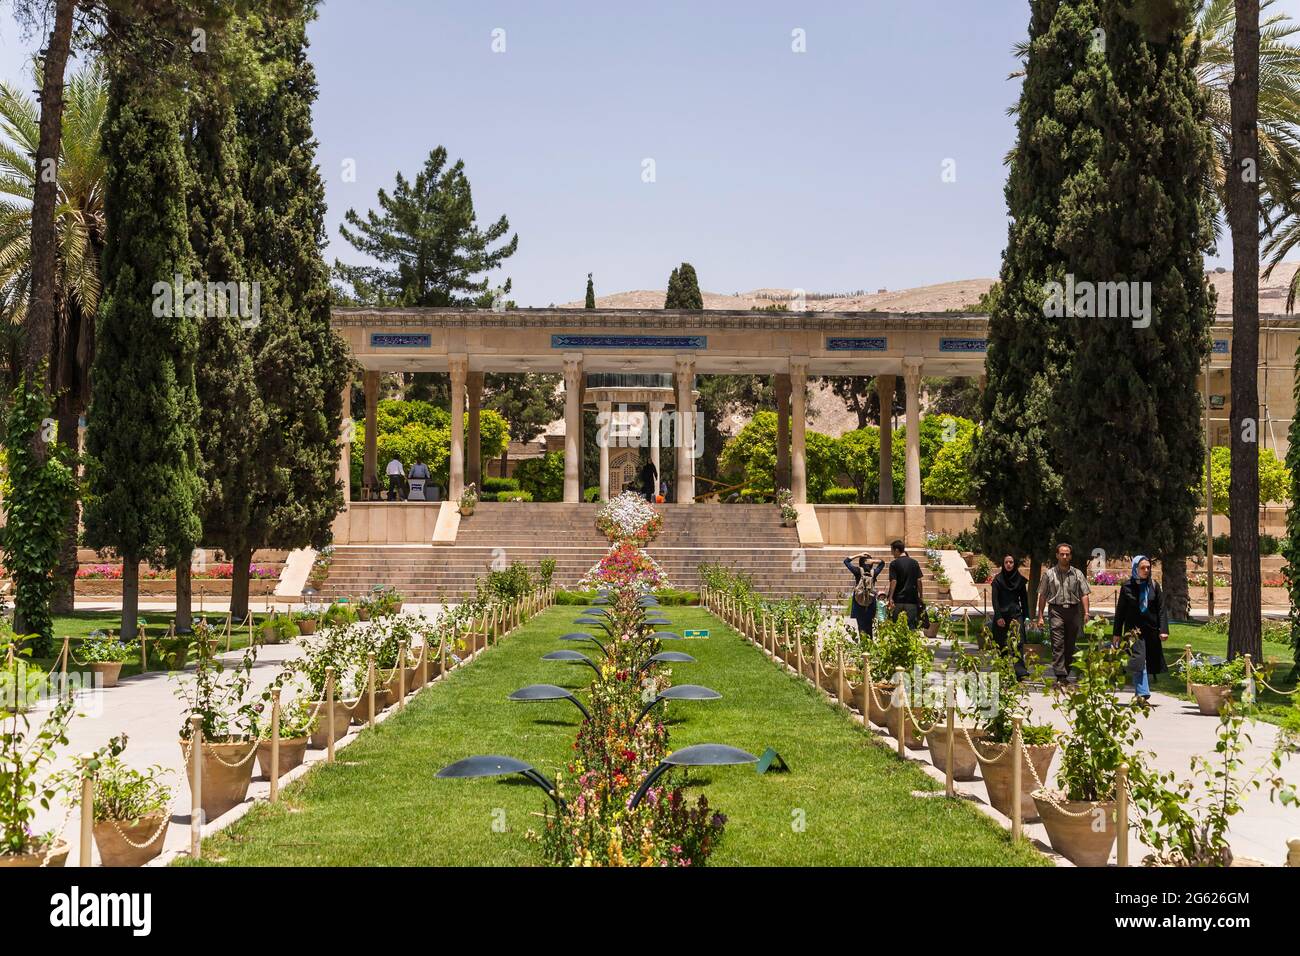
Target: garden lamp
x,y
574,656
494,765
665,636
666,657
582,636
679,692
548,692
697,755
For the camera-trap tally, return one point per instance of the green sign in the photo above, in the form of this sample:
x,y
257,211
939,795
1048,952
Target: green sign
x,y
771,760
695,633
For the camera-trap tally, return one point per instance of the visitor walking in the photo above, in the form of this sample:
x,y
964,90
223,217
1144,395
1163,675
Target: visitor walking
x,y
649,481
1063,591
1141,607
904,585
863,604
1010,598
395,472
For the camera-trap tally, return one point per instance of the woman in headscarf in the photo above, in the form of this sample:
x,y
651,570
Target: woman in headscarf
x,y
863,602
1010,598
1141,607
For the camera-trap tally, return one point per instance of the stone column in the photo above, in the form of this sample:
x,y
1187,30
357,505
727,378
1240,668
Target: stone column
x,y
781,386
798,416
572,428
369,473
604,430
346,431
914,515
886,385
458,366
684,434
655,418
474,448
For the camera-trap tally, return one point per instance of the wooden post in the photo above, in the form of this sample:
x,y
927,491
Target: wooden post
x,y
949,787
442,651
867,690
370,686
1187,664
87,809
144,649
787,635
1121,815
424,661
401,675
1249,679
899,701
275,744
63,667
329,708
1017,769
839,684
196,786
798,656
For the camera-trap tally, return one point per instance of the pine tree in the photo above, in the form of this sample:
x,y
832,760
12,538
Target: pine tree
x,y
300,364
591,293
1015,476
684,289
1137,211
144,488
427,239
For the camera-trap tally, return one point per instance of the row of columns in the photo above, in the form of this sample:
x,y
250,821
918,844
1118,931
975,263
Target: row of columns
x,y
792,414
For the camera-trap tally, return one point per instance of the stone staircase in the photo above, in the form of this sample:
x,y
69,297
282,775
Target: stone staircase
x,y
749,537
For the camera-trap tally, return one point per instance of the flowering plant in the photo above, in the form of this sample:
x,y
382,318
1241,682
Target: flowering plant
x,y
1105,577
629,518
625,566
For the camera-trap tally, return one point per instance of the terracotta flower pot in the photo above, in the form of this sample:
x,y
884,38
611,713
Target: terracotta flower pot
x,y
224,786
292,752
1085,839
363,614
1210,698
30,860
965,765
270,635
307,626
1037,654
997,776
107,671
912,738
830,679
342,717
878,706
932,629
111,838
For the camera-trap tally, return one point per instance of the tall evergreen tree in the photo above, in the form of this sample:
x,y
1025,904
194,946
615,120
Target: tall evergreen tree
x,y
591,293
684,289
428,242
1015,477
1137,211
300,364
144,487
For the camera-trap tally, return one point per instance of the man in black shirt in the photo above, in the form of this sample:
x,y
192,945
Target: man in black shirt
x,y
904,585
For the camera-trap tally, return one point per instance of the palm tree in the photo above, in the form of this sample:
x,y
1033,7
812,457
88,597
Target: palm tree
x,y
79,229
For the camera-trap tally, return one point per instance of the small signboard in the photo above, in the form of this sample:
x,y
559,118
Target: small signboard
x,y
697,634
771,760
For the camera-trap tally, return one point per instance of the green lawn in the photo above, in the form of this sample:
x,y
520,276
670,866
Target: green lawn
x,y
80,624
846,801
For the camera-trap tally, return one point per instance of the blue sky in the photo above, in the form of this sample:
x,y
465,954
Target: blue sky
x,y
821,169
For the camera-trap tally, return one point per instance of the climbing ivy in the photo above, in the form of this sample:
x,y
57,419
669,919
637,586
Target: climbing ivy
x,y
37,502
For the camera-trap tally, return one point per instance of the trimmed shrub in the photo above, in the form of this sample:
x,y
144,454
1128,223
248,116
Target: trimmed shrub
x,y
514,496
500,484
840,496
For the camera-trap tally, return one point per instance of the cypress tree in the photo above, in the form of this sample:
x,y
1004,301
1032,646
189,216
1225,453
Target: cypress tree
x,y
1137,212
1015,478
591,293
684,289
300,364
143,484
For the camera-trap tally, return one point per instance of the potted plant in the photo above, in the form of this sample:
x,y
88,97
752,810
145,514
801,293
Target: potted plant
x,y
895,645
306,620
1037,647
962,672
25,759
1212,681
229,745
1080,817
1184,818
278,629
468,500
339,613
105,655
132,813
994,748
297,722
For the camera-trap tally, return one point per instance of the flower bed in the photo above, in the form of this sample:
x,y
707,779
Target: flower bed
x,y
629,518
625,566
213,572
